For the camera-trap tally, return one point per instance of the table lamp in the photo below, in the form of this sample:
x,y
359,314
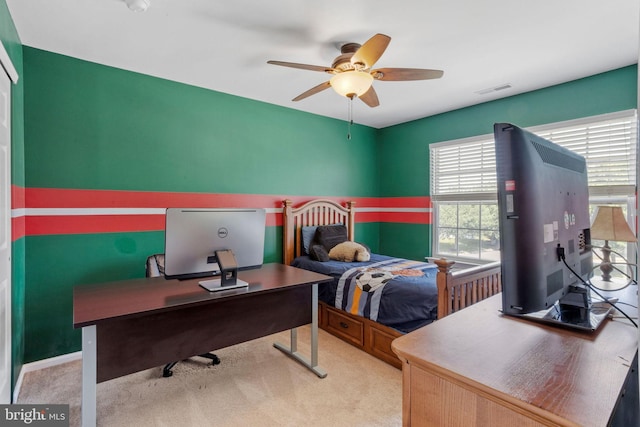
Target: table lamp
x,y
610,224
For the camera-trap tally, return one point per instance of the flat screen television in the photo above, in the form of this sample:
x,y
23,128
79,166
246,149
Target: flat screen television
x,y
192,237
543,205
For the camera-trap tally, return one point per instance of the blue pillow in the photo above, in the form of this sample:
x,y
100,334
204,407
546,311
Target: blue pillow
x,y
307,236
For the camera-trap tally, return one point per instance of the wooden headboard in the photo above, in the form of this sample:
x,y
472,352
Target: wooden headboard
x,y
315,212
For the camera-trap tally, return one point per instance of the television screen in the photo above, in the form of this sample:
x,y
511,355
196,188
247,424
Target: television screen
x,y
543,204
192,236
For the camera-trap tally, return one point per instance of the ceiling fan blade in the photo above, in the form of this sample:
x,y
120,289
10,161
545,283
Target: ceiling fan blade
x,y
370,98
313,91
371,50
302,66
401,74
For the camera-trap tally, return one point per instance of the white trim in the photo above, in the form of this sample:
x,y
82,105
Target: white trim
x,y
394,210
18,213
42,364
85,211
23,212
6,63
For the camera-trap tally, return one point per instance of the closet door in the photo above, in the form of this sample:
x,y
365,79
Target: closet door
x,y
5,238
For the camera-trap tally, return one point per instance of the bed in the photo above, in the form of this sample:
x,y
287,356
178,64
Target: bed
x,y
413,294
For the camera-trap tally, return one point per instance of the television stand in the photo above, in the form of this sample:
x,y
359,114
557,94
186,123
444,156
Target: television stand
x,y
499,371
566,312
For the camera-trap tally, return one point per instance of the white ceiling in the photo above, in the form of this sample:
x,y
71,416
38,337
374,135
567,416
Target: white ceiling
x,y
225,45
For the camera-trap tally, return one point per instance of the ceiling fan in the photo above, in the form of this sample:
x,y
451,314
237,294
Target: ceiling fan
x,y
352,73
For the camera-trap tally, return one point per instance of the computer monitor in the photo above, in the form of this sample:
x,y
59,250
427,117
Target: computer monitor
x,y
543,204
192,236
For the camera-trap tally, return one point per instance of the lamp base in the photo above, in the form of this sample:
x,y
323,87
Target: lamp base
x,y
613,284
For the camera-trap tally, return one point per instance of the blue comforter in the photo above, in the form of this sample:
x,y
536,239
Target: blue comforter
x,y
406,302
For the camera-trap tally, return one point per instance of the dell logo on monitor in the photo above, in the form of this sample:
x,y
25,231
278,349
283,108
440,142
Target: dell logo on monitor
x,y
222,232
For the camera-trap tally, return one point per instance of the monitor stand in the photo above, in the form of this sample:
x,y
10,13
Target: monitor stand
x,y
574,310
228,273
214,285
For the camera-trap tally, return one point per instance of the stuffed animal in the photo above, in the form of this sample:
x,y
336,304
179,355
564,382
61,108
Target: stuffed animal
x,y
349,251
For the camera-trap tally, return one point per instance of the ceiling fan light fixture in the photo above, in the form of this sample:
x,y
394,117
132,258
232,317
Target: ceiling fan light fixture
x,y
351,83
138,5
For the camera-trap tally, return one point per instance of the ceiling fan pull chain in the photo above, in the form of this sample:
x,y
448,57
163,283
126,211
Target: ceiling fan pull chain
x,y
350,122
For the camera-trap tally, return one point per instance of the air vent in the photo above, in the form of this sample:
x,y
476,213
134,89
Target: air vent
x,y
494,89
560,159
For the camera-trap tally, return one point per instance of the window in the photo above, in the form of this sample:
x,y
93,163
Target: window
x,y
463,180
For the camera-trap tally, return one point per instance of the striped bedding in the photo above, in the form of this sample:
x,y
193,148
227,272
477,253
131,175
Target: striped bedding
x,y
406,301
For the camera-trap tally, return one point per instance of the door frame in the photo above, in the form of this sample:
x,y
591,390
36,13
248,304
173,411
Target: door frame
x,y
6,346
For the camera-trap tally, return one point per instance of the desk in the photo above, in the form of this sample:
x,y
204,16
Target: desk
x,y
132,325
479,368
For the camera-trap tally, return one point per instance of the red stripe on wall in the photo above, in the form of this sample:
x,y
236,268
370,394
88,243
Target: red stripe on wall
x,y
17,197
73,198
401,217
406,217
47,198
18,230
405,202
69,198
82,224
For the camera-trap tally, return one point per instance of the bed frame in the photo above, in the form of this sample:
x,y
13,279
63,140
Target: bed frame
x,y
457,288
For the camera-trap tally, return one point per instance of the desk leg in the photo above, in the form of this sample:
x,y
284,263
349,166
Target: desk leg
x,y
292,351
89,376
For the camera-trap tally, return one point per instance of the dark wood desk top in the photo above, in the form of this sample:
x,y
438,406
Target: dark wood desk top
x,y
129,298
571,374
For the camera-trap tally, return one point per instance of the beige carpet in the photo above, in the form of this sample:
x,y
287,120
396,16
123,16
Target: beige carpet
x,y
255,385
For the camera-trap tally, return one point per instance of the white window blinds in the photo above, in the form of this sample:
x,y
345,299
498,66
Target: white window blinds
x,y
609,146
465,169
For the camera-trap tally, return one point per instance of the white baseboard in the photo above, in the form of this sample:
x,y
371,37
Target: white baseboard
x,y
41,364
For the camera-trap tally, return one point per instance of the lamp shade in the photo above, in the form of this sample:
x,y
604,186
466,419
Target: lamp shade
x,y
610,224
351,83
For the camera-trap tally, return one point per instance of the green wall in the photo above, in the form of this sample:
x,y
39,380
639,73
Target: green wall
x,y
57,263
106,128
97,127
11,42
403,150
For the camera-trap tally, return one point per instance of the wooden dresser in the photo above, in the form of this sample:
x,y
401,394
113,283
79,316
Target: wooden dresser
x,y
479,368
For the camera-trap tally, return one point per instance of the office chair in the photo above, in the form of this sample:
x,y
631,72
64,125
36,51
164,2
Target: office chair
x,y
154,268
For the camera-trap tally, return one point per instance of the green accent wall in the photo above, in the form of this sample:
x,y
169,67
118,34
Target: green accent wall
x,y
403,150
57,263
175,137
97,127
409,241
